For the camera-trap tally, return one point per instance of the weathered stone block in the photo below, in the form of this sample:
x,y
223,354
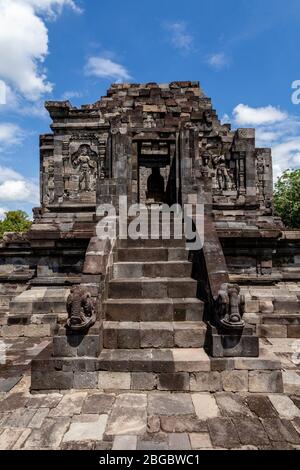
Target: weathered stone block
x,y
235,380
57,380
252,306
265,381
84,380
205,382
272,331
293,331
266,306
114,380
177,381
151,338
143,381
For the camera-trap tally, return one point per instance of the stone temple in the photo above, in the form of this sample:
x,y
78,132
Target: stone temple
x,y
163,316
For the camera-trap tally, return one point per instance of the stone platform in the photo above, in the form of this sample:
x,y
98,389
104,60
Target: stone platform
x,y
122,419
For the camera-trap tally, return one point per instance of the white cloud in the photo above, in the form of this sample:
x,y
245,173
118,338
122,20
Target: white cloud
x,y
218,61
14,187
10,134
24,44
52,7
245,115
179,36
275,129
69,95
105,68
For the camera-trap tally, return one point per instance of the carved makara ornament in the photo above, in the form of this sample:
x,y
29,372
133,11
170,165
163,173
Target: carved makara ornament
x,y
229,307
81,309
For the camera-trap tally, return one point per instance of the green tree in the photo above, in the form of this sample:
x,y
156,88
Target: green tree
x,y
287,198
15,221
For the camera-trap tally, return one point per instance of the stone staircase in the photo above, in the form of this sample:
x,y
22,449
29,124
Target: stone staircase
x,y
274,309
152,315
153,334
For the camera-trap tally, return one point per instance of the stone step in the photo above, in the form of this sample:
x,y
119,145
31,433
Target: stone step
x,y
37,319
281,319
157,369
134,269
152,288
155,360
136,335
40,300
151,254
151,243
163,309
283,325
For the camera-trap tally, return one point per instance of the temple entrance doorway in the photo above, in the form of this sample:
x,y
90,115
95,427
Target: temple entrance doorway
x,y
157,179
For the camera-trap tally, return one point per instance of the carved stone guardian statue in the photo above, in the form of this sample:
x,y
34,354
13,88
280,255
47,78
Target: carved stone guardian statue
x,y
81,309
229,307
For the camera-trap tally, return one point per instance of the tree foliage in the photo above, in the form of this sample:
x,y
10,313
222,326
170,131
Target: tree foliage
x,y
14,221
287,198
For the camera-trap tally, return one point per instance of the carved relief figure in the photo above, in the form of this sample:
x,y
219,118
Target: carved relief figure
x,y
260,170
80,308
223,177
50,191
84,160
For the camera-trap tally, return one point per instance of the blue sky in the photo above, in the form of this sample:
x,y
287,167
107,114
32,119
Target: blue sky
x,y
244,53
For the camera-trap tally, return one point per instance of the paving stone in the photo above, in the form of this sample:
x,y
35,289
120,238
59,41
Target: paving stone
x,y
114,380
200,440
156,443
47,400
265,381
125,443
282,446
284,406
251,431
143,381
3,417
205,406
49,435
13,402
78,445
296,424
19,418
179,441
98,403
166,403
235,380
22,439
182,424
9,437
128,416
223,433
38,418
231,405
261,406
6,384
70,404
281,430
87,431
205,382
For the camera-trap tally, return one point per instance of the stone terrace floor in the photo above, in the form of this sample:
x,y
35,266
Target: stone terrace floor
x,y
123,420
